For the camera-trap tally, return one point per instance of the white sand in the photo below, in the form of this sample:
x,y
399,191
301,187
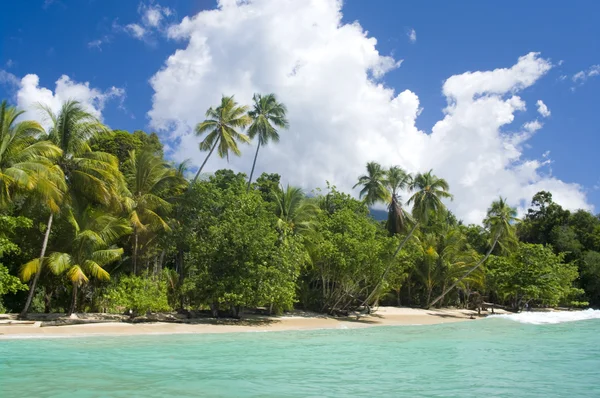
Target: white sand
x,y
383,316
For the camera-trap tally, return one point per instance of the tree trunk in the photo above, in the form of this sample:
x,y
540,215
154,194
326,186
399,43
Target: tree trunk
x,y
442,301
370,296
135,251
36,278
429,290
203,163
253,165
74,300
161,260
441,296
214,309
47,299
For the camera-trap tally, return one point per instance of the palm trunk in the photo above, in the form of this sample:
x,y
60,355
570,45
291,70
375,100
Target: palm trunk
x,y
370,296
441,296
253,165
135,251
74,300
36,278
203,163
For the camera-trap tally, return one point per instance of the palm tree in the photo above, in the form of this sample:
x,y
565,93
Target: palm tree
x,y
148,178
90,250
92,176
396,180
89,176
266,113
373,184
499,221
380,185
26,165
426,201
295,210
222,124
23,159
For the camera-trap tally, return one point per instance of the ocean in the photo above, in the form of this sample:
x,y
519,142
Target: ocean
x,y
521,355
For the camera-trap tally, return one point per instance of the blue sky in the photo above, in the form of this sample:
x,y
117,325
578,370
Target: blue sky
x,y
90,41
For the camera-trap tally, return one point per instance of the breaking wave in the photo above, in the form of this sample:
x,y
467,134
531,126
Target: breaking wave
x,y
546,318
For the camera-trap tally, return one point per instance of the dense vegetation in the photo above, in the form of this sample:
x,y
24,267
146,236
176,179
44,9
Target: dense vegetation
x,y
93,219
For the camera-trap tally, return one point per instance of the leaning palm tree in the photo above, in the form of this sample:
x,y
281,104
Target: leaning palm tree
x,y
26,166
148,178
499,221
222,124
90,250
295,210
427,201
89,176
396,181
266,113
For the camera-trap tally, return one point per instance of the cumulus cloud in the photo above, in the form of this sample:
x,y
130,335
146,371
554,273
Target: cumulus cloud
x,y
412,36
543,109
30,94
341,114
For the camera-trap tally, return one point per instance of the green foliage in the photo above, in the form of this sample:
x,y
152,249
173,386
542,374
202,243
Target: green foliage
x,y
236,249
532,273
138,293
110,203
348,251
8,284
121,142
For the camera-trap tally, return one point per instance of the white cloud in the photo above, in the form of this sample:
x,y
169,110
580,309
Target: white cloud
x,y
543,109
30,93
340,116
582,76
97,44
8,78
412,36
152,20
136,30
533,126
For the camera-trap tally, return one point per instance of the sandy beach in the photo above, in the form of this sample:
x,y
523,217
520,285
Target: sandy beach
x,y
383,316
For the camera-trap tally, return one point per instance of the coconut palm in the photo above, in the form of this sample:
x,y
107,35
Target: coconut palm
x,y
85,175
396,180
92,176
373,184
148,179
295,210
266,113
427,201
222,125
26,165
88,252
23,158
499,221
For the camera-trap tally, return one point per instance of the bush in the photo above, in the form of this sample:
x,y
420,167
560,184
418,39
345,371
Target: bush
x,y
139,293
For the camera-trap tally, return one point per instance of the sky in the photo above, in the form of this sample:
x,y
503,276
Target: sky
x,y
500,100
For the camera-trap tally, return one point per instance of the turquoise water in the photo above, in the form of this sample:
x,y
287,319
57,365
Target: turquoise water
x,y
488,358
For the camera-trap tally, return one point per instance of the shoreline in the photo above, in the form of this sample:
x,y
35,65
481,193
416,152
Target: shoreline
x,y
383,316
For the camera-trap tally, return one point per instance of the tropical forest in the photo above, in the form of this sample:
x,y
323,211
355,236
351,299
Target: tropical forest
x,y
99,220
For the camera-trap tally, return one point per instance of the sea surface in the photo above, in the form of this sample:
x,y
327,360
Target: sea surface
x,y
523,355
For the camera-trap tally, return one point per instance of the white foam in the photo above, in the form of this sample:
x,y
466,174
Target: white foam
x,y
545,318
